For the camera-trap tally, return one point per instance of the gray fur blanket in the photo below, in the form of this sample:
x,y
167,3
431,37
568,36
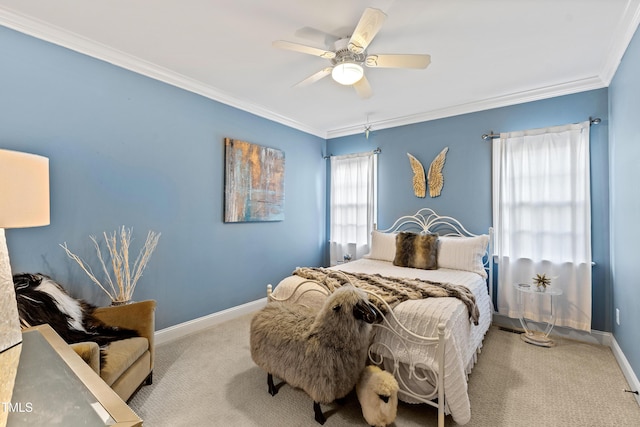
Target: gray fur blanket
x,y
393,290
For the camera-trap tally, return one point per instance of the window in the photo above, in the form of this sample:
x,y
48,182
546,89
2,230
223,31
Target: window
x,y
353,205
542,218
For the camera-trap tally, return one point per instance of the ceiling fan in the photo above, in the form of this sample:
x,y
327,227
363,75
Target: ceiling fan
x,y
350,54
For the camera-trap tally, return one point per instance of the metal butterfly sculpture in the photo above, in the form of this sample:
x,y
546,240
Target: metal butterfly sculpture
x,y
436,180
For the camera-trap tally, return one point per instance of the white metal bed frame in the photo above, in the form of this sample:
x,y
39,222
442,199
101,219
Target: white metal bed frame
x,y
423,221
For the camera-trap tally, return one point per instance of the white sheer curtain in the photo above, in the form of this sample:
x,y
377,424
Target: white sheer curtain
x,y
353,205
542,218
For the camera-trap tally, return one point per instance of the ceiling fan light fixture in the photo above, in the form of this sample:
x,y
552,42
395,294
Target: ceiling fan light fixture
x,y
347,73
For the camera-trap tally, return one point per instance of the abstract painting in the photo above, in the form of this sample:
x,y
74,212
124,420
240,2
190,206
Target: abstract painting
x,y
254,182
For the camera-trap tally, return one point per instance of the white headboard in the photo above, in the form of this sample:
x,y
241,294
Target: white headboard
x,y
426,220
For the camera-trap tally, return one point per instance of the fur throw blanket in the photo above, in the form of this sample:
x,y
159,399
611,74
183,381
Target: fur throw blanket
x,y
393,290
41,300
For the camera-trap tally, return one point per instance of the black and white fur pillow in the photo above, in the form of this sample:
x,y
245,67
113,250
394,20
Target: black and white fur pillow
x,y
41,300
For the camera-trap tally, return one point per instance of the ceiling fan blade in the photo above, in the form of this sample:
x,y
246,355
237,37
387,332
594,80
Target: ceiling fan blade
x,y
315,77
398,61
367,28
363,88
316,36
297,47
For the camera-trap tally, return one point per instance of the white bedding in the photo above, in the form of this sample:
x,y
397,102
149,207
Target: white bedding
x,y
462,338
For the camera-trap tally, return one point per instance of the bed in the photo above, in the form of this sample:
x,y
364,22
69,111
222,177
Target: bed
x,y
429,344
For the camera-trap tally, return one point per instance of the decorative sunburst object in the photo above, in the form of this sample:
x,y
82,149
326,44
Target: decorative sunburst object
x,y
436,180
419,178
542,281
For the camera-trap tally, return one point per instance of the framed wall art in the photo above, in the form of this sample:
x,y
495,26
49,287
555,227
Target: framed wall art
x,y
254,182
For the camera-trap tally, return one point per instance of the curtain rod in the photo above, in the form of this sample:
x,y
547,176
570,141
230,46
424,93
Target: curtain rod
x,y
491,135
376,151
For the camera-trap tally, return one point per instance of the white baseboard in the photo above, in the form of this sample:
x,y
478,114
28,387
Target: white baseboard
x,y
631,377
196,325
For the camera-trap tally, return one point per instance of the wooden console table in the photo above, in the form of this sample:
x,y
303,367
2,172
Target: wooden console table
x,y
54,386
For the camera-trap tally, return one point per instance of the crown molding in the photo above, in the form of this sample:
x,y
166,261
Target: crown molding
x,y
620,40
487,104
78,43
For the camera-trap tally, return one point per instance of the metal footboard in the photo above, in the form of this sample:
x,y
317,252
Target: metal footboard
x,y
378,352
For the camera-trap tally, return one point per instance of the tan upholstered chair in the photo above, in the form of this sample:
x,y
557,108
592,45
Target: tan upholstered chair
x,y
128,363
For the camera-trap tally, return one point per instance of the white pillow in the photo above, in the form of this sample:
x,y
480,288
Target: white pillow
x,y
463,253
383,246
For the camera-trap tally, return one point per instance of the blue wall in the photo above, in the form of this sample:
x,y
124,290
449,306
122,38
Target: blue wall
x,y
624,102
467,172
128,150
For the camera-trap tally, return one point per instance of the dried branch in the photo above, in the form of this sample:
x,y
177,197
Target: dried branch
x,y
104,267
85,268
143,258
124,279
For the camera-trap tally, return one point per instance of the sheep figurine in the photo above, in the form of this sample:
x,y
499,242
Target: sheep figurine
x,y
322,352
377,392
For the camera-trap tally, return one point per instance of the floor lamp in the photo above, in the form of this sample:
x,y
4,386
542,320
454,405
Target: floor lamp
x,y
24,202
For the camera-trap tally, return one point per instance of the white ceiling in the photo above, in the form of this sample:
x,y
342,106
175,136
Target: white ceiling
x,y
484,53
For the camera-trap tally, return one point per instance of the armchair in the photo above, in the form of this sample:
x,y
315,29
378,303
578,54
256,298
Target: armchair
x,y
127,364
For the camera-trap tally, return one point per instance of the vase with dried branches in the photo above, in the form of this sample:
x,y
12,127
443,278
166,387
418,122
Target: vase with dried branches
x,y
121,279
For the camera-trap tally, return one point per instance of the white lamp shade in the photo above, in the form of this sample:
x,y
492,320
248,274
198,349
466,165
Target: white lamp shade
x,y
347,73
24,190
24,202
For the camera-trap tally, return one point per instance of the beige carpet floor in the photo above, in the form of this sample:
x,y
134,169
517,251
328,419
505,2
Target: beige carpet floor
x,y
209,379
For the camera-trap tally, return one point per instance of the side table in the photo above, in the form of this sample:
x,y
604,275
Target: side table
x,y
55,387
535,337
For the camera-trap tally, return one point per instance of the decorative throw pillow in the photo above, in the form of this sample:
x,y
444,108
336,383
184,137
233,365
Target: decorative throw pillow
x,y
463,253
416,251
383,246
